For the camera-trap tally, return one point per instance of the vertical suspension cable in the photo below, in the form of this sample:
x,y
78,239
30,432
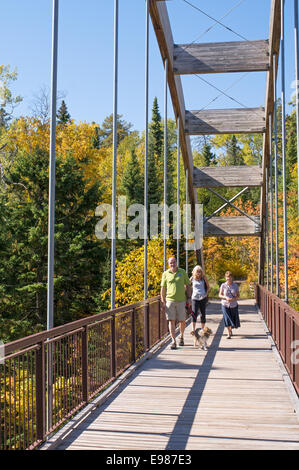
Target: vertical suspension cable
x,y
114,166
178,193
276,175
297,84
271,201
285,241
187,221
51,223
146,147
165,163
267,228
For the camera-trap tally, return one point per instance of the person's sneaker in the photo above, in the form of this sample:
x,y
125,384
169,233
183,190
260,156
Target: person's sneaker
x,y
173,346
181,343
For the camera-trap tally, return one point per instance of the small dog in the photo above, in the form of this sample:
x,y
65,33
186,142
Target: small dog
x,y
201,337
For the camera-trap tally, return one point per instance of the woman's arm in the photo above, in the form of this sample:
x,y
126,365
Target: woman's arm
x,y
208,285
221,294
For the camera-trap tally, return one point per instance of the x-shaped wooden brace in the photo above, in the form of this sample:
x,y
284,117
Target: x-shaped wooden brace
x,y
229,202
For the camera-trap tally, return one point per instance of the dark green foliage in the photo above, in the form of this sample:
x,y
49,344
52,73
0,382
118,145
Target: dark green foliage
x,y
105,133
63,116
23,259
132,181
233,152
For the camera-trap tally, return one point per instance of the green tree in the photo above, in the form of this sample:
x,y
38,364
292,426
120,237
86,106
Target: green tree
x,y
156,133
154,185
7,101
23,259
105,133
233,152
132,181
208,157
63,116
155,156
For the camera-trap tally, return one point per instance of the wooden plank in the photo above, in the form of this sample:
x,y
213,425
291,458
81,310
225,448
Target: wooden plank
x,y
225,121
233,176
230,226
221,57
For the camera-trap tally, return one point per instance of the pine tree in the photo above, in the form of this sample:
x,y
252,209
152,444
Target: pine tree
x,y
156,132
105,133
156,156
132,181
205,197
208,157
233,152
154,186
63,116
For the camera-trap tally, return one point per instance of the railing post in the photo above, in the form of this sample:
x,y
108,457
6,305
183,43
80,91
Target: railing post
x,y
113,347
159,317
85,391
40,392
133,356
146,327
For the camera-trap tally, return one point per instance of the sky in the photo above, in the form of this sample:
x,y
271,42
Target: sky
x,y
85,54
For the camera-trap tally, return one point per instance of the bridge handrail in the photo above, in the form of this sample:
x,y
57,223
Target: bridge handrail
x,y
86,356
283,324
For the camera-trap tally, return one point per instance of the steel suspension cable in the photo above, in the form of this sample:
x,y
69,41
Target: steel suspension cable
x,y
285,233
114,165
51,223
146,147
276,174
165,164
211,27
217,21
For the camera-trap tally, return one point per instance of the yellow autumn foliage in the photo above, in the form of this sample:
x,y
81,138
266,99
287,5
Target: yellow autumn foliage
x,y
28,133
130,271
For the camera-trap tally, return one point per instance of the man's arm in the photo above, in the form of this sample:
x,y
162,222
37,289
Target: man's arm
x,y
163,297
188,288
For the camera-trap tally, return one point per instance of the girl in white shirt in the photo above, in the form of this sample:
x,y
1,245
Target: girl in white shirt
x,y
200,291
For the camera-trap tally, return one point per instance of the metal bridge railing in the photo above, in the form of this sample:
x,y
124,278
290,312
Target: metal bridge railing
x,y
283,324
85,356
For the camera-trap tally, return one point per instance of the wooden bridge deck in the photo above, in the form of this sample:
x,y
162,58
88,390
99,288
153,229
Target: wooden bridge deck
x,y
232,396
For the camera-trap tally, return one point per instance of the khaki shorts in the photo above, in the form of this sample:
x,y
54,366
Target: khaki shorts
x,y
175,311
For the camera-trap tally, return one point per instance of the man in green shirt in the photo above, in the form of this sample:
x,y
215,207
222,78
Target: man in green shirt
x,y
175,284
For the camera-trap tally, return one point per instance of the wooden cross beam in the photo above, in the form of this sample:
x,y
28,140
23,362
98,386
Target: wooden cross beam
x,y
224,205
235,207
